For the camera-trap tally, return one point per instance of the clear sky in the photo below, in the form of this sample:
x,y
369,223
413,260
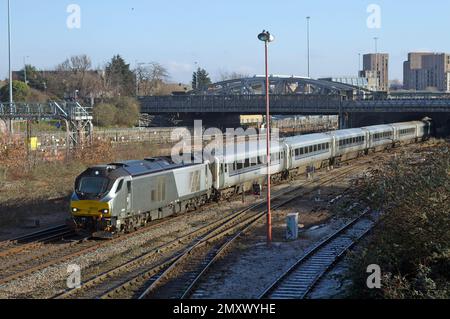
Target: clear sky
x,y
221,35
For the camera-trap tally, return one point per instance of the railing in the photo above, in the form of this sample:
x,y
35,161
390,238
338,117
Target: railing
x,y
323,104
237,103
51,109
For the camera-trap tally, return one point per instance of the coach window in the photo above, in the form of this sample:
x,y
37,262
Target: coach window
x,y
310,149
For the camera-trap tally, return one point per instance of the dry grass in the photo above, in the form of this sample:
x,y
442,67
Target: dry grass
x,y
30,185
411,244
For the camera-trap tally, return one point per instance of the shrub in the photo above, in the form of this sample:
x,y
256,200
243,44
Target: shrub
x,y
21,91
411,244
105,114
128,111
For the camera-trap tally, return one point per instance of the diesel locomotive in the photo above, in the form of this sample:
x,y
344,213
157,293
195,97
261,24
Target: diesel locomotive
x,y
120,197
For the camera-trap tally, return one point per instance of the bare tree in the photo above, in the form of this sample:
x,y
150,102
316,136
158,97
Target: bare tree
x,y
151,78
225,76
76,74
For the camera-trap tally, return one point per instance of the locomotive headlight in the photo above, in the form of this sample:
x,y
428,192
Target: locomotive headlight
x,y
74,210
105,211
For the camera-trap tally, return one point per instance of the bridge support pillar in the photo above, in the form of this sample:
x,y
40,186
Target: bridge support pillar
x,y
344,121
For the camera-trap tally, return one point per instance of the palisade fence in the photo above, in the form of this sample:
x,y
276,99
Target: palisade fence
x,y
52,145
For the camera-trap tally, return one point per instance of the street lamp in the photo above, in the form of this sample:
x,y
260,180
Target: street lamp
x,y
196,75
11,129
266,37
25,68
307,45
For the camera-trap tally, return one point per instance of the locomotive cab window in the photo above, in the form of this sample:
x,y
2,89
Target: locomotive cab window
x,y
119,187
93,185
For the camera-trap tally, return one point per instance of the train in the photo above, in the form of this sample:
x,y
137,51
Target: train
x,y
124,196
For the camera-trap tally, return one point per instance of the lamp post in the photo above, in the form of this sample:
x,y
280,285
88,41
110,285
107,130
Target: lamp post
x,y
307,44
11,129
266,37
25,68
196,75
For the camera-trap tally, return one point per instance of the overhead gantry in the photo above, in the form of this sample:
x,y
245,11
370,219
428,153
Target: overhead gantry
x,y
78,119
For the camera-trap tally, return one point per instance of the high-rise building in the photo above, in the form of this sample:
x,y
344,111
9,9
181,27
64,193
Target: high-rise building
x,y
427,71
376,66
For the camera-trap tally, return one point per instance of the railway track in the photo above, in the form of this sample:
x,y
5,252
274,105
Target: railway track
x,y
43,255
220,249
35,240
302,277
133,278
197,258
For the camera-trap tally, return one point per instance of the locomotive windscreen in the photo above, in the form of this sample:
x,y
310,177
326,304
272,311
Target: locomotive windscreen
x,y
93,186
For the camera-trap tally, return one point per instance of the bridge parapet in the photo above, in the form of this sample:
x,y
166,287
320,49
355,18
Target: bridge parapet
x,y
243,104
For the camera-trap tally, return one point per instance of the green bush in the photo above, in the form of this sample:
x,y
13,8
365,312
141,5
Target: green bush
x,y
128,111
105,114
21,92
120,111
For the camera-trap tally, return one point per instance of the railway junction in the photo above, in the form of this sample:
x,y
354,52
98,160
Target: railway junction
x,y
214,252
219,250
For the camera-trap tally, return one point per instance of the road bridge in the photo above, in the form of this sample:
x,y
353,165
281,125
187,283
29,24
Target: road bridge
x,y
225,109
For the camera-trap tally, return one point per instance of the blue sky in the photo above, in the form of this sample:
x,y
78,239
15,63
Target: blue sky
x,y
221,35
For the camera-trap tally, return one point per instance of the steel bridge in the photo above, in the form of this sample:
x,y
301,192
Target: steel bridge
x,y
310,104
281,85
78,119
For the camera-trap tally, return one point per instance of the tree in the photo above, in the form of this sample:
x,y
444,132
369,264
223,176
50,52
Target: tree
x,y
105,114
128,111
74,74
151,78
77,64
21,91
119,78
201,80
225,76
34,78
